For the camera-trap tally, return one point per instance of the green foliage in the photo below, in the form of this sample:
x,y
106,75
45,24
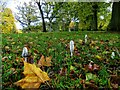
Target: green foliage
x,y
81,12
60,14
7,21
37,28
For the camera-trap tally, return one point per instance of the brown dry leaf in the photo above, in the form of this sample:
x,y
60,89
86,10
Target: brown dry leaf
x,y
115,86
4,58
45,61
93,43
63,71
101,42
92,67
96,67
36,51
115,79
89,85
73,75
75,48
33,77
40,63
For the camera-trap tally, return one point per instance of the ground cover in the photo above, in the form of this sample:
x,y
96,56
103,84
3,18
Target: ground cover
x,y
90,67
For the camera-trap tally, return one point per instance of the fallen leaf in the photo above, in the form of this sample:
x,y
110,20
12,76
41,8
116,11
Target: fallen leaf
x,y
36,51
115,86
89,67
63,71
96,67
72,67
13,43
89,85
92,67
99,57
33,77
92,43
7,48
80,41
40,61
45,61
115,79
73,75
97,47
4,58
101,42
29,82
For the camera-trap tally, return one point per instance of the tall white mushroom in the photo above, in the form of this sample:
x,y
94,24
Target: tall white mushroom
x,y
25,53
86,38
71,47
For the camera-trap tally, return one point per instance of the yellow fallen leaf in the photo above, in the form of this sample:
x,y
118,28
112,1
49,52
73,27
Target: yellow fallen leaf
x,y
72,68
98,57
13,43
34,76
80,41
27,69
28,83
41,74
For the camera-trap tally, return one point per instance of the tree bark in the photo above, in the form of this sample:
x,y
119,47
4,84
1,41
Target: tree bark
x,y
43,22
114,24
95,7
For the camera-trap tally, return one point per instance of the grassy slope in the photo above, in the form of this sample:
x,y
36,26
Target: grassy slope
x,y
56,45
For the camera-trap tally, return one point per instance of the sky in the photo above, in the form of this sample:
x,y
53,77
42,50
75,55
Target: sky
x,y
12,4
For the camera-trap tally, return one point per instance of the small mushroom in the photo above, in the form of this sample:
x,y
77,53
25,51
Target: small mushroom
x,y
86,38
113,55
25,53
71,47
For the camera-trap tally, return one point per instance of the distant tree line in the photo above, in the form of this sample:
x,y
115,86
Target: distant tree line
x,y
57,16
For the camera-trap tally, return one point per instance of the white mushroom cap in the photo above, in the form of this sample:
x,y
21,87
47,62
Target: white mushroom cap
x,y
25,52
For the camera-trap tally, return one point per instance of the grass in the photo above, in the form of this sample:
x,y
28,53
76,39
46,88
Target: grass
x,y
98,49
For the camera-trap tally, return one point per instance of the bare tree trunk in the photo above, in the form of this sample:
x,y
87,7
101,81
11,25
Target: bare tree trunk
x,y
114,24
43,22
95,7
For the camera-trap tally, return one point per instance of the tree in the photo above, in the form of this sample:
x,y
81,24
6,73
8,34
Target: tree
x,y
104,15
27,15
63,15
42,16
114,24
95,7
85,14
7,22
49,16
